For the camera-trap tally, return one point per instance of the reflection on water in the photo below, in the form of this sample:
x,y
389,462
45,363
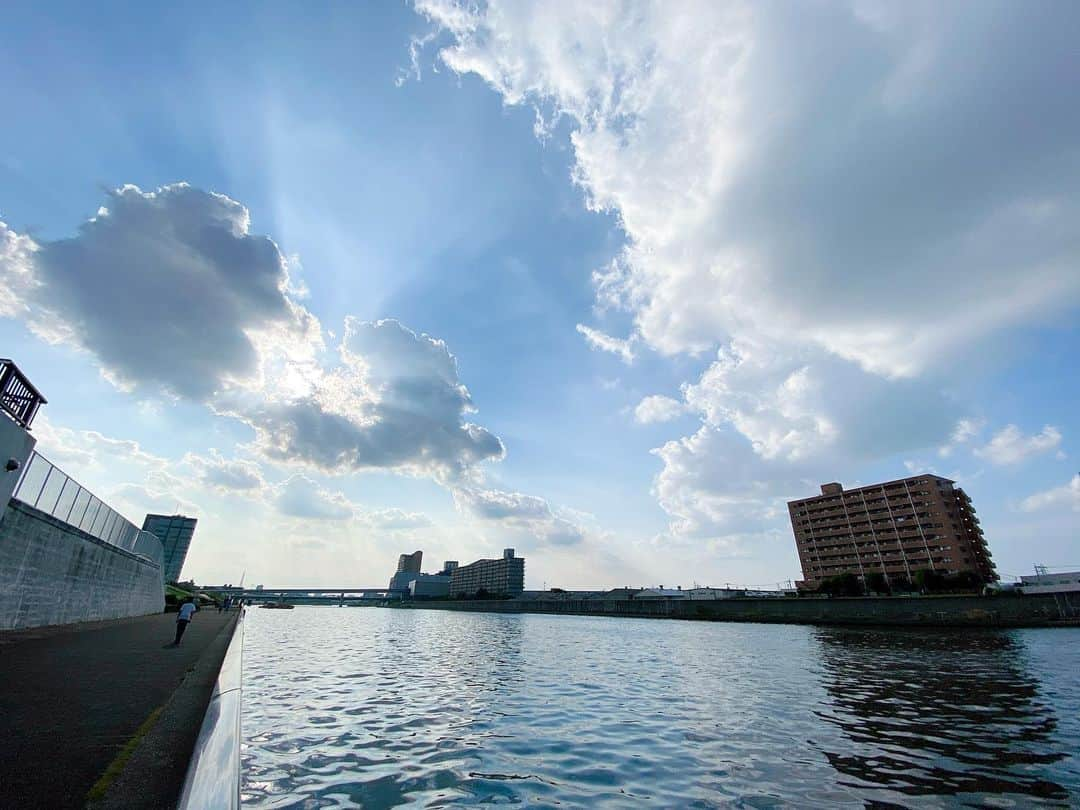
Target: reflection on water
x,y
938,714
381,708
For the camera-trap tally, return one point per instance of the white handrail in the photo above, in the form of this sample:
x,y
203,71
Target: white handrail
x,y
213,775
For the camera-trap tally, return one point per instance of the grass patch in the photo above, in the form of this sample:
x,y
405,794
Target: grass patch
x,y
179,593
102,785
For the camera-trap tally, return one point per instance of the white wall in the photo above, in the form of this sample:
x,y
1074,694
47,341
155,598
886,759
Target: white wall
x,y
15,442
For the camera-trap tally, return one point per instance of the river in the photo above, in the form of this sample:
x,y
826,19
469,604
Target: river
x,y
348,707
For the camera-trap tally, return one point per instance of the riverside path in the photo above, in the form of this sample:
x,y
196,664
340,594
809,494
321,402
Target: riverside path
x,y
72,697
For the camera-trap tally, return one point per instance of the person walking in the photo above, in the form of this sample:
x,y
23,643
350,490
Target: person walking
x,y
183,619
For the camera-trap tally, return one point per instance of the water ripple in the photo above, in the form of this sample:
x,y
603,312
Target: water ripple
x,y
385,708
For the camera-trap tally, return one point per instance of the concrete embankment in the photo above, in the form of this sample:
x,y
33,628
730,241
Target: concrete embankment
x,y
52,573
105,699
936,611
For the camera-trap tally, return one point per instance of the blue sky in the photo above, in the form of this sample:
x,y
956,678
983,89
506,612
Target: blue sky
x,y
687,265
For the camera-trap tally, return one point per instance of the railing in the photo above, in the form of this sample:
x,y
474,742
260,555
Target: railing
x,y
46,487
18,398
213,774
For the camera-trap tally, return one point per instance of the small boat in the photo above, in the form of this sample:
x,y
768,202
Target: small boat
x,y
277,605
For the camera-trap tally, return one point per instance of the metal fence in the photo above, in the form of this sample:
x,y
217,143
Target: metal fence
x,y
46,487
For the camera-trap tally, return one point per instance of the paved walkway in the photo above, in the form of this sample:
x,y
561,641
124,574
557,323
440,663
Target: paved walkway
x,y
71,698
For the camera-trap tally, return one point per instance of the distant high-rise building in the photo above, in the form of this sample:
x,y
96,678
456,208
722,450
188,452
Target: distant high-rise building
x,y
503,577
410,563
896,529
174,532
408,569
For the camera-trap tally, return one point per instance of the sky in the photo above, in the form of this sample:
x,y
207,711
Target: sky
x,y
605,282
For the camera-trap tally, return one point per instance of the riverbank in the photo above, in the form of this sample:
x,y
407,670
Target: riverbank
x,y
1003,610
75,698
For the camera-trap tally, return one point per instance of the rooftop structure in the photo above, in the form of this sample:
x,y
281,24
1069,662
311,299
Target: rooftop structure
x,y
18,397
175,533
502,577
895,529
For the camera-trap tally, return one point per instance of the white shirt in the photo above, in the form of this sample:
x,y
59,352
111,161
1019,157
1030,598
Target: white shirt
x,y
186,610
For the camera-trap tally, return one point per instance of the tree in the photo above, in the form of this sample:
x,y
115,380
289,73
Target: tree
x,y
928,581
842,585
877,583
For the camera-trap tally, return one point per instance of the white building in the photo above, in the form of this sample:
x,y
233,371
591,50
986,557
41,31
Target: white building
x,y
429,586
1063,582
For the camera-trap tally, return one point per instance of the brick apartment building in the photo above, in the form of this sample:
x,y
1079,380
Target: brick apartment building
x,y
895,528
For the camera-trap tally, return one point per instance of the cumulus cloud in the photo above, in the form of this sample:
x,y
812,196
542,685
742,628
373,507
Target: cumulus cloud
x,y
167,289
172,294
395,401
713,485
301,497
807,188
658,408
839,214
1010,446
1067,495
516,510
606,343
803,404
773,426
226,475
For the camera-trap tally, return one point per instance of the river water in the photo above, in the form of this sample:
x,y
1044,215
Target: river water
x,y
370,707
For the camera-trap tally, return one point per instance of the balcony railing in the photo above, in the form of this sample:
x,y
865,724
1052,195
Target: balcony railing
x,y
18,398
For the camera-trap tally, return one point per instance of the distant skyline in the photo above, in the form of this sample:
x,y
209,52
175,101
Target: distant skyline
x,y
608,283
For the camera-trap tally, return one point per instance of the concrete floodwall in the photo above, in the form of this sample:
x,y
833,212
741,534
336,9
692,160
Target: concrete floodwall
x,y
941,611
52,573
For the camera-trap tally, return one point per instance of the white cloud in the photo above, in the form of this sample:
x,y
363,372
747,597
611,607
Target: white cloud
x,y
963,433
526,513
226,475
300,496
1067,495
658,408
136,500
606,343
168,290
1010,446
773,187
838,214
62,446
394,402
774,425
83,449
395,520
713,485
173,295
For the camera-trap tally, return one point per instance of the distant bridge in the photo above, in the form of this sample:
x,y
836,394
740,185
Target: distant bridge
x,y
302,596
